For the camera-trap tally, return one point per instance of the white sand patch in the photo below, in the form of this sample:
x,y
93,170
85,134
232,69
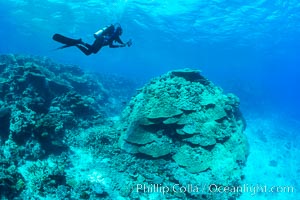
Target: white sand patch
x,y
274,161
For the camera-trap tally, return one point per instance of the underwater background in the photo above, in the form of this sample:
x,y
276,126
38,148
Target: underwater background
x,y
249,48
252,45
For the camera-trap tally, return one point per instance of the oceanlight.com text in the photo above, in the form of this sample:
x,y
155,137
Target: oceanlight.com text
x,y
252,189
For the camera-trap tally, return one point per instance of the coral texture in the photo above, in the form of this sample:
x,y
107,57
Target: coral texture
x,y
46,99
183,117
45,109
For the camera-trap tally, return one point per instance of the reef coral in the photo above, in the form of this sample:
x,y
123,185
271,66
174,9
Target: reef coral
x,y
63,134
182,117
46,99
42,104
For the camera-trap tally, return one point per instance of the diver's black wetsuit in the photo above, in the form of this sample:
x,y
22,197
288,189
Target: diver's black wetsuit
x,y
104,37
111,35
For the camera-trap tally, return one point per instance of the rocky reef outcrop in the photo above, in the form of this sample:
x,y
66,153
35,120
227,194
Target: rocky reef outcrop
x,y
186,121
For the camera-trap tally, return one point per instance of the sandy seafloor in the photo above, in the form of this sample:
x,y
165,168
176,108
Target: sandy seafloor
x,y
274,156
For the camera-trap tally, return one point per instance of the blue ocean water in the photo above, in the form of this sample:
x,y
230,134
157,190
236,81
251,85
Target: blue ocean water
x,y
250,48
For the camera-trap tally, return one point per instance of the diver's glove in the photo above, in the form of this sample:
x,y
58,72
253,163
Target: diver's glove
x,y
129,43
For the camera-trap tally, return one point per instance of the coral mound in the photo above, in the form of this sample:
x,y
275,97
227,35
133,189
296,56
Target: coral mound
x,y
181,117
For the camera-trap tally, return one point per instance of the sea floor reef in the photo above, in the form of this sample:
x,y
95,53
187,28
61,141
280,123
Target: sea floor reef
x,y
67,134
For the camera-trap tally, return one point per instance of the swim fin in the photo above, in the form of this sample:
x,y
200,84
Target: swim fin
x,y
66,41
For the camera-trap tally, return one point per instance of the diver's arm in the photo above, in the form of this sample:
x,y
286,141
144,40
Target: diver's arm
x,y
111,45
118,39
116,45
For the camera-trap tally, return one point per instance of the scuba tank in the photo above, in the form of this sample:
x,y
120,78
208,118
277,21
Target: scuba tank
x,y
102,31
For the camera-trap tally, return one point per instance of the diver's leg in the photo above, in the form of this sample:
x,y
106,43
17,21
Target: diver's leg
x,y
97,45
87,51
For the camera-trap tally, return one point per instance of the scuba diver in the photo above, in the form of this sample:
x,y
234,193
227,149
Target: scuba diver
x,y
104,37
